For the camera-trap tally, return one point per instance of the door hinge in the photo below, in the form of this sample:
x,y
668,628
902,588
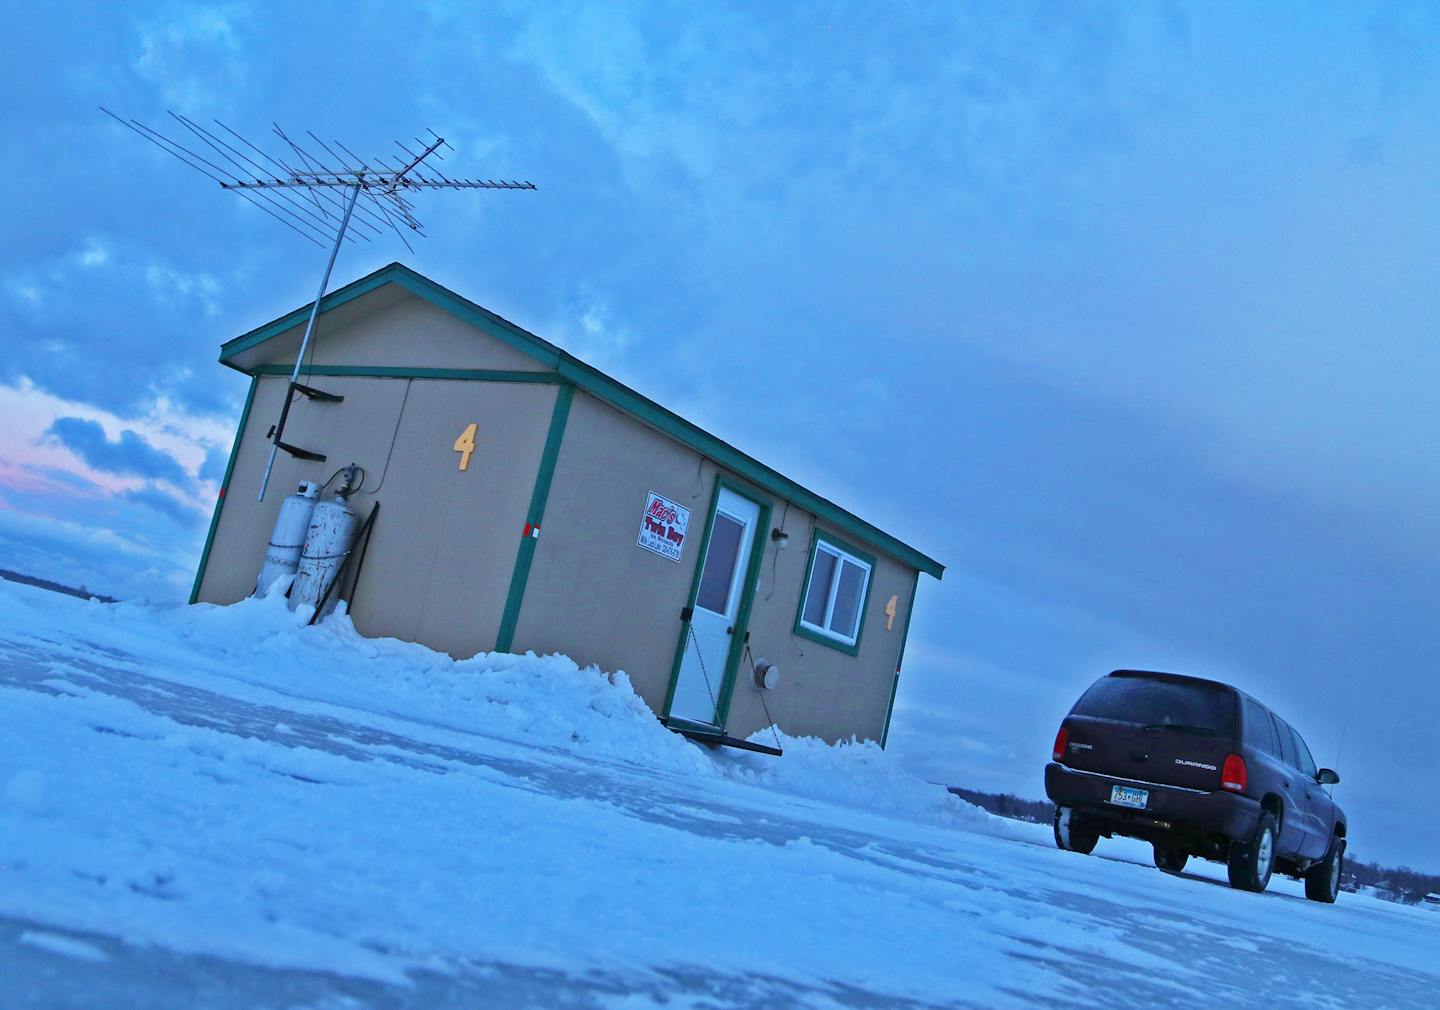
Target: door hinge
x,y
686,613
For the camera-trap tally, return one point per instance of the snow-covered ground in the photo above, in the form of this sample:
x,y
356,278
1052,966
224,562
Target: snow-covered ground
x,y
215,807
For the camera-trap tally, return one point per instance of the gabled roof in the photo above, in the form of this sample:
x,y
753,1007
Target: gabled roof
x,y
570,369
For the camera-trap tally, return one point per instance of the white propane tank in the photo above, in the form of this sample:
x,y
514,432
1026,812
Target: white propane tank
x,y
331,533
767,675
282,556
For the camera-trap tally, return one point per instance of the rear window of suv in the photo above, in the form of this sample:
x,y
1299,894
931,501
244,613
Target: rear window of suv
x,y
1149,701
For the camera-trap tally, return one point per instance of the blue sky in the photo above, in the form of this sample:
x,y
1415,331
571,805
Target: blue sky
x,y
1126,312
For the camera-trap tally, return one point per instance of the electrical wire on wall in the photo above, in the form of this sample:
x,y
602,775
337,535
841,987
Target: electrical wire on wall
x,y
775,559
393,435
755,686
699,482
795,639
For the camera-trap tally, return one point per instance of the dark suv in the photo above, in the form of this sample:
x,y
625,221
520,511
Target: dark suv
x,y
1195,767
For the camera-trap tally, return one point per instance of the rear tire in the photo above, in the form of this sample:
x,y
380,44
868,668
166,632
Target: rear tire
x,y
1251,862
1072,836
1171,860
1322,881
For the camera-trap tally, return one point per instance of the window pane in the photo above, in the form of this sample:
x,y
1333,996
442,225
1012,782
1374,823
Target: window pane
x,y
715,579
1307,763
1155,701
818,596
847,599
1259,733
1287,743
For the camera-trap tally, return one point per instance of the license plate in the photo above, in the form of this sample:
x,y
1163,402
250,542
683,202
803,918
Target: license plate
x,y
1124,796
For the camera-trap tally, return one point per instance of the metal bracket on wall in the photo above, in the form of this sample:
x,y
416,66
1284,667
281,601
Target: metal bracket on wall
x,y
277,430
300,453
312,393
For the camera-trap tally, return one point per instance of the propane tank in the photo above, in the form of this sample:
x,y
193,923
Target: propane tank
x,y
327,542
282,556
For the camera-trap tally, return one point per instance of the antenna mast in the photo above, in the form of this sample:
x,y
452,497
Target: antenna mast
x,y
271,183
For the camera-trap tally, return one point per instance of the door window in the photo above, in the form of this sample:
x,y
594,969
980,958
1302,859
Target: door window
x,y
835,593
718,575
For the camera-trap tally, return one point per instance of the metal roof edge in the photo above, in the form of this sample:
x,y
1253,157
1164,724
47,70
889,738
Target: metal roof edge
x,y
604,388
714,448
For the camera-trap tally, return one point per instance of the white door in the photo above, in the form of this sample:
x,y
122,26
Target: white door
x,y
723,570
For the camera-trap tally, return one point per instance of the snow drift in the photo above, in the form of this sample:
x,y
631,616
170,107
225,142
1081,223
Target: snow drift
x,y
548,700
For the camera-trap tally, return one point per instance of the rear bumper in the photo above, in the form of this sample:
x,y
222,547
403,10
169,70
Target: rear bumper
x,y
1169,810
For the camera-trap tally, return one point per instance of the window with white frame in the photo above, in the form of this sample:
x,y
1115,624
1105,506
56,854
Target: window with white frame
x,y
835,593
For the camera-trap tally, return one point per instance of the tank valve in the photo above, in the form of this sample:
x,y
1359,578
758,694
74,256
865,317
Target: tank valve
x,y
349,483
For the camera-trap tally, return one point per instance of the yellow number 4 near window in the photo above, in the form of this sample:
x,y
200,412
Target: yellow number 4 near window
x,y
465,445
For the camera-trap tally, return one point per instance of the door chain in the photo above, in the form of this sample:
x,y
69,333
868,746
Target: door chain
x,y
701,660
761,691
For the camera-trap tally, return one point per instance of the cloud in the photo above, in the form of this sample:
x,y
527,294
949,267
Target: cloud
x,y
166,504
96,253
213,469
194,55
130,456
171,286
98,541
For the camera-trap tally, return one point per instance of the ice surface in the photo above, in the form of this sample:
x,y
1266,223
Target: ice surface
x,y
221,807
65,946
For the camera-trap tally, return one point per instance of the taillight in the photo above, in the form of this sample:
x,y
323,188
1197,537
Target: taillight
x,y
1234,775
1061,739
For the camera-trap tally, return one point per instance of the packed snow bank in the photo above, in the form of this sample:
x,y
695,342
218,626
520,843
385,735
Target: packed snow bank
x,y
261,643
550,700
860,774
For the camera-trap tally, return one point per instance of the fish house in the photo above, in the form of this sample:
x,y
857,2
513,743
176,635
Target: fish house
x,y
524,501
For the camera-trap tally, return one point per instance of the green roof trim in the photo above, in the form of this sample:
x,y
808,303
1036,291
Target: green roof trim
x,y
604,388
389,372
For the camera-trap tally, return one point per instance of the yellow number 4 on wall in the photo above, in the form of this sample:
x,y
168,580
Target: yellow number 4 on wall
x,y
465,445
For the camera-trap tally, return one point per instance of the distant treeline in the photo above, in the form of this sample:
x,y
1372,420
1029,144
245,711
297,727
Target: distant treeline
x,y
1393,883
1007,805
54,587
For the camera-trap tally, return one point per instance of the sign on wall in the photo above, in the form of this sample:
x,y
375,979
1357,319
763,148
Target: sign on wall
x,y
662,529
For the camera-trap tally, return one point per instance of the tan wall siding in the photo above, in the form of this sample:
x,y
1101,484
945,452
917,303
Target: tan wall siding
x,y
409,332
823,692
593,594
596,596
444,546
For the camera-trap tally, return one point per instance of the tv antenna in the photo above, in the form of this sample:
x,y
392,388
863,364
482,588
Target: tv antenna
x,y
317,197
